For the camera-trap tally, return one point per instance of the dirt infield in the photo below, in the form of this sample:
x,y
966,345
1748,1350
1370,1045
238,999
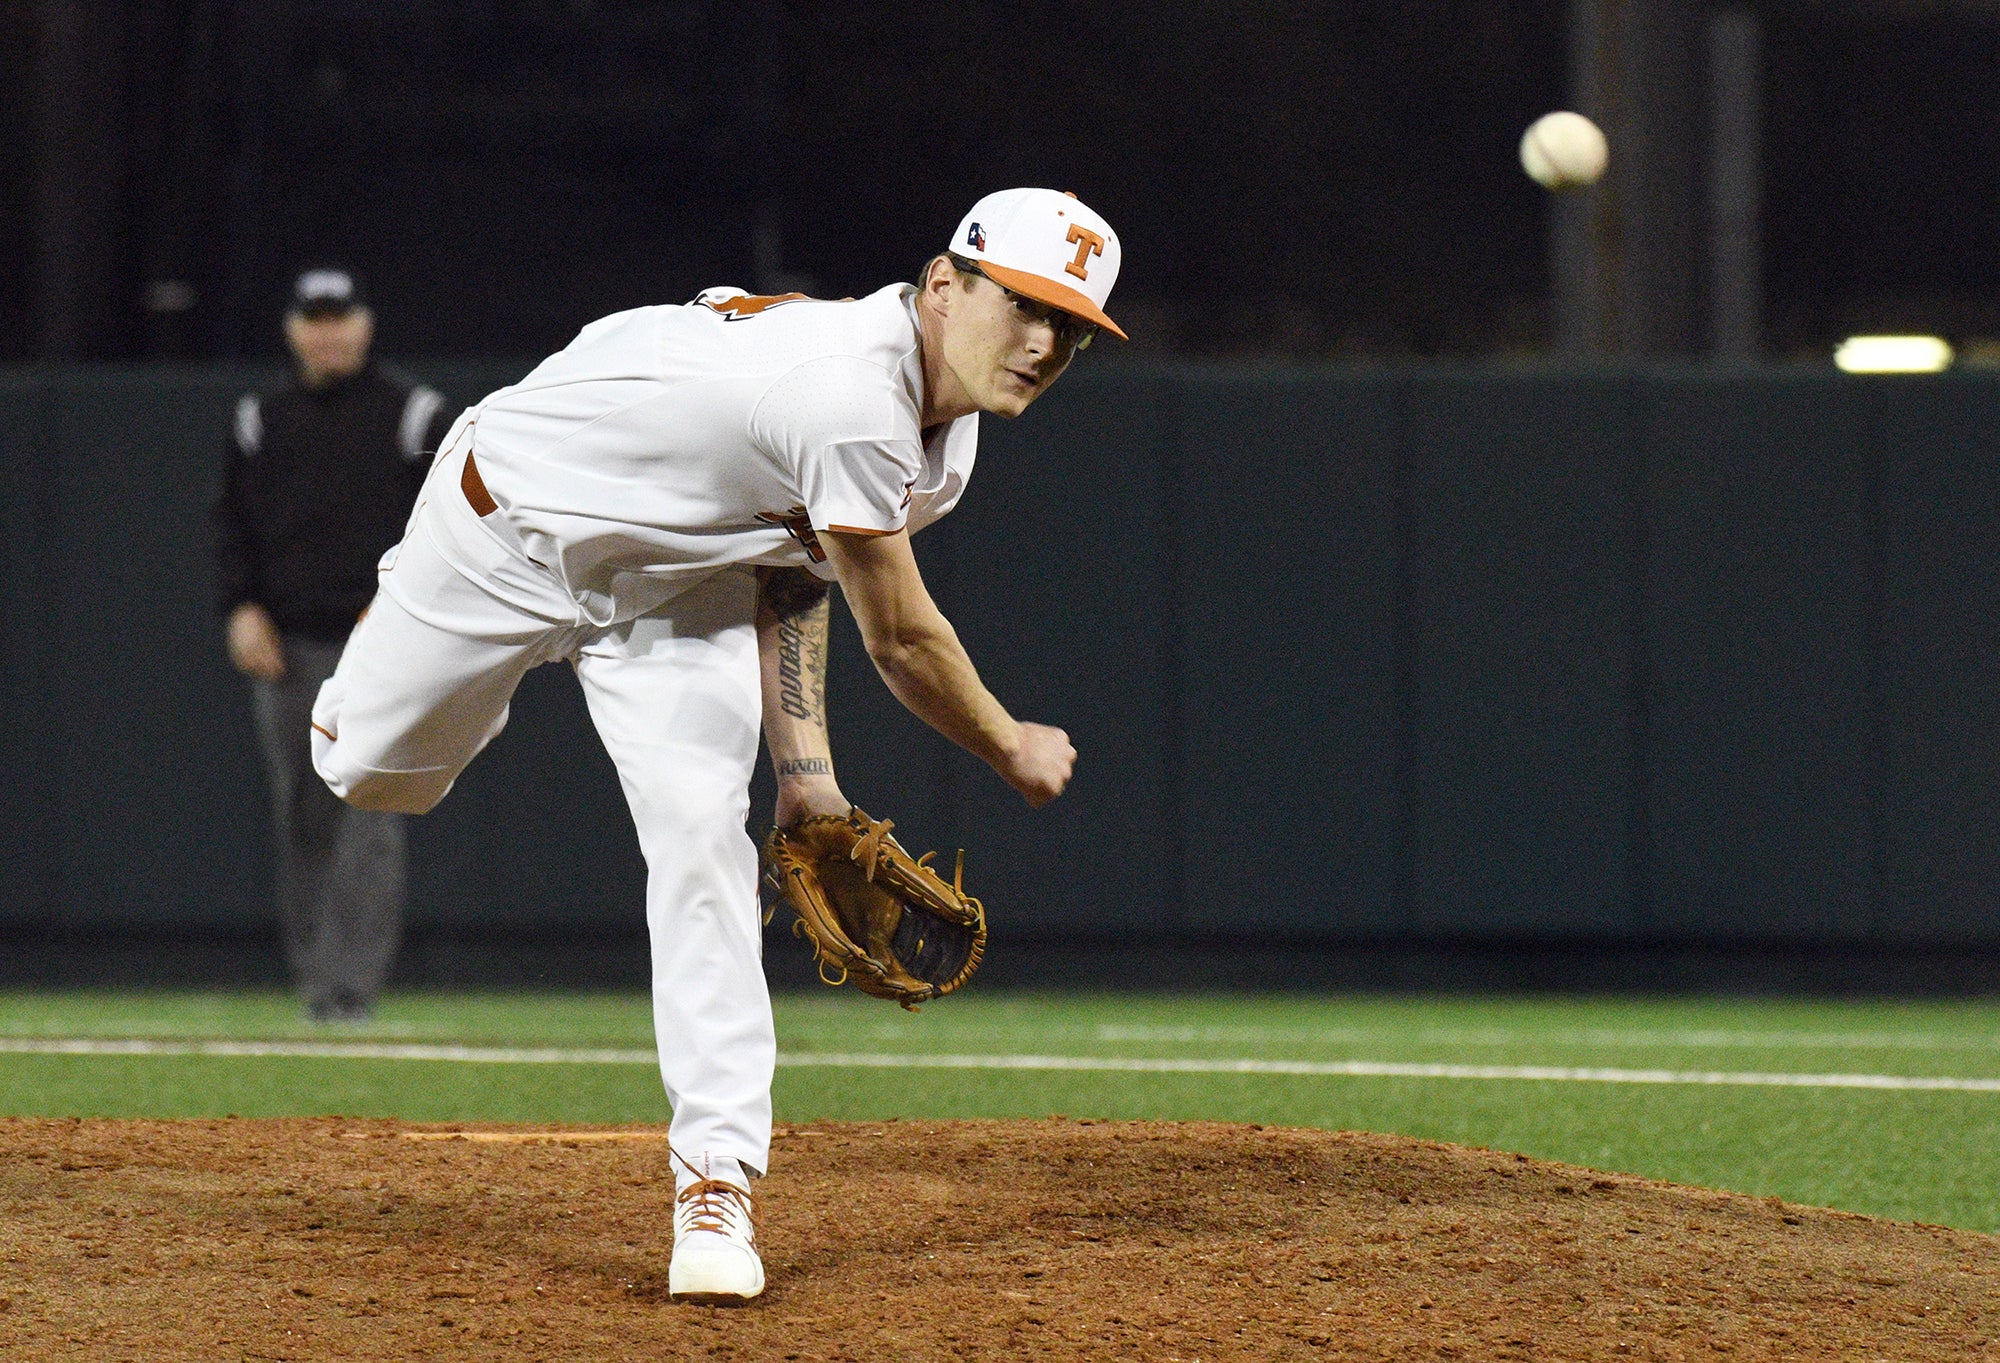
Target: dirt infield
x,y
1048,1240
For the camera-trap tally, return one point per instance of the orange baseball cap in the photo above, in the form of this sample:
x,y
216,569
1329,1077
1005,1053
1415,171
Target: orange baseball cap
x,y
1046,245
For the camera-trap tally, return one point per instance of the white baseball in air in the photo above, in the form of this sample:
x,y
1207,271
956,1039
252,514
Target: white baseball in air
x,y
1563,151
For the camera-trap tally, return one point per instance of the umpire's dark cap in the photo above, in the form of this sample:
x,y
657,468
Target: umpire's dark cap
x,y
326,292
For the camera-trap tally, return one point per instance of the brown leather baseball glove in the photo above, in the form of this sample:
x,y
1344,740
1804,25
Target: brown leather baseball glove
x,y
875,916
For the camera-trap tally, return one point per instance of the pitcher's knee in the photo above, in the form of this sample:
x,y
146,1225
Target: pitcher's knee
x,y
690,809
387,792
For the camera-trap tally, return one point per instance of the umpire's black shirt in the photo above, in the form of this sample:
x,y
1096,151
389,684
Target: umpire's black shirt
x,y
317,485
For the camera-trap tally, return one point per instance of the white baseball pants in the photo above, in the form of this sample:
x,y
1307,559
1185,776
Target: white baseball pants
x,y
425,684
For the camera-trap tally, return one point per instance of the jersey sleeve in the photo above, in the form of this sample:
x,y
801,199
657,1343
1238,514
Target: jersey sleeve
x,y
841,427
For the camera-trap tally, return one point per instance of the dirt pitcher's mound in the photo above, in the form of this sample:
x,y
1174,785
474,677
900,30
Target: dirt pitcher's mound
x,y
1048,1240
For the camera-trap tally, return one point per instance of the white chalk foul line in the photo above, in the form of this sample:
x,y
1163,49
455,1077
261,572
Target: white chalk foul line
x,y
328,1050
1679,1038
1331,1069
1385,1069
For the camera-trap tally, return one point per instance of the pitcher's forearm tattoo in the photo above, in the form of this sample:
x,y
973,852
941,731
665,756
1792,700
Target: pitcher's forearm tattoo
x,y
805,766
799,600
791,686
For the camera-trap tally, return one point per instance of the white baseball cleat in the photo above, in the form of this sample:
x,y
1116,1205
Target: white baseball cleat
x,y
715,1259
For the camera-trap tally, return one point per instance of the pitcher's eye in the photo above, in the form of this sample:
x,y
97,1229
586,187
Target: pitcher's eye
x,y
1072,332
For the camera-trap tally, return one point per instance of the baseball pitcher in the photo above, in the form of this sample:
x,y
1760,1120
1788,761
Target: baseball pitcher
x,y
662,505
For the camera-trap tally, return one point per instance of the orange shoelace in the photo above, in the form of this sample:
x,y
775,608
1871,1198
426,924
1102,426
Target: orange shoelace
x,y
710,1198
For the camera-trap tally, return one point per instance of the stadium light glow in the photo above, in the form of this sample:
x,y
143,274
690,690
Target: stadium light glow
x,y
1892,355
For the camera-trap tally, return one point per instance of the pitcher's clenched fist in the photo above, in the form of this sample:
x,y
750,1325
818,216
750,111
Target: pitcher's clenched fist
x,y
1041,764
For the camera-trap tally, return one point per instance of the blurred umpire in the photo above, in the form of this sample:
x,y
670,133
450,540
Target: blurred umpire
x,y
320,477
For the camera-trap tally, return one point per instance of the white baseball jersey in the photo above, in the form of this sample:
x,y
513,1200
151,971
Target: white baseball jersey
x,y
665,443
622,490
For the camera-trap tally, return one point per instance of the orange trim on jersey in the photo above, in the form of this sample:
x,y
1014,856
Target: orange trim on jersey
x,y
328,732
798,524
859,530
1054,294
474,488
742,305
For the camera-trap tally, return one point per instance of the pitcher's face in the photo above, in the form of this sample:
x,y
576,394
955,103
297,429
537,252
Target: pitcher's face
x,y
1005,349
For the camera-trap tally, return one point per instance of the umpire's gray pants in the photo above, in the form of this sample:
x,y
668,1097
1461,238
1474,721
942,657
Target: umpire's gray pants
x,y
340,870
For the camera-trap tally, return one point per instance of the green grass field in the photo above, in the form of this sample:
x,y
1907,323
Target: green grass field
x,y
1889,1150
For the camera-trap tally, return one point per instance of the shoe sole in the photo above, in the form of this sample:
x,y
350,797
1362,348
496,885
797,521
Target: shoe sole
x,y
713,1289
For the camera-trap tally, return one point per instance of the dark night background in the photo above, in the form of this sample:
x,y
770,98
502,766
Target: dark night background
x,y
1636,629
1305,180
1296,180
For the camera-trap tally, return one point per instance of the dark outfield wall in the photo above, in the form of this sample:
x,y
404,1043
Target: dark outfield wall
x,y
1662,657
